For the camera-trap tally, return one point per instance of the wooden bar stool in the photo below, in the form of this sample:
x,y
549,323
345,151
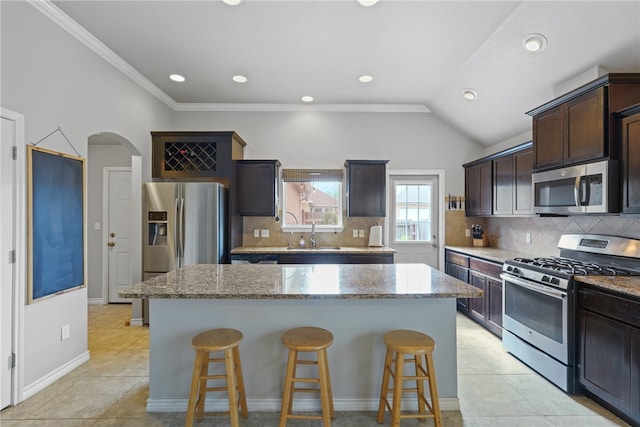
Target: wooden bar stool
x,y
211,341
417,345
307,339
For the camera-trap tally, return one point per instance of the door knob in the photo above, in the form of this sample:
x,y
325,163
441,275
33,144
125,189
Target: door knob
x,y
111,244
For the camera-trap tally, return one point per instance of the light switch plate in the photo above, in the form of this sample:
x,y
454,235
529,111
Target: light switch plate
x,y
527,237
264,233
355,233
96,226
360,233
65,332
256,233
467,232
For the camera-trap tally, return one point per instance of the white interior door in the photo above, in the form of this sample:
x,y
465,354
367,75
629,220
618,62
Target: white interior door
x,y
7,240
118,231
414,218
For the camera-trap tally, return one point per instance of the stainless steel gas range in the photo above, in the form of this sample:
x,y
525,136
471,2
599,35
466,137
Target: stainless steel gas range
x,y
539,302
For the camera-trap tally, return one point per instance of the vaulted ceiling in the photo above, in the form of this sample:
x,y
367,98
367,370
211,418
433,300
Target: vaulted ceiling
x,y
421,54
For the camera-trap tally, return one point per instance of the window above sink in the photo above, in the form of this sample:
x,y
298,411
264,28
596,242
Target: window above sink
x,y
312,196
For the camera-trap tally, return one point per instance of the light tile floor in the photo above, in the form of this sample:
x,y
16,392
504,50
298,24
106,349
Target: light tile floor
x,y
111,389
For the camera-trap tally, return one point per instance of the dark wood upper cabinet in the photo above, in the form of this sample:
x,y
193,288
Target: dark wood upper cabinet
x,y
523,189
500,184
580,126
571,132
630,165
195,155
479,188
366,188
503,175
512,193
548,134
256,187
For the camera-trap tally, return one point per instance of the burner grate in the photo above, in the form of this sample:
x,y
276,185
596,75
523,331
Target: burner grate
x,y
572,266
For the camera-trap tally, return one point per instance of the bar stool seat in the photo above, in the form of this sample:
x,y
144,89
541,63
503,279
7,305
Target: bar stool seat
x,y
307,339
400,343
224,340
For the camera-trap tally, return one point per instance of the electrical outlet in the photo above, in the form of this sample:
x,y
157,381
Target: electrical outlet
x,y
65,333
360,233
264,233
527,237
467,232
355,233
256,233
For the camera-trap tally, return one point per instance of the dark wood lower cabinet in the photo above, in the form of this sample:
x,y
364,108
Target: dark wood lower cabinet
x,y
329,258
609,351
494,306
457,266
477,305
484,275
605,366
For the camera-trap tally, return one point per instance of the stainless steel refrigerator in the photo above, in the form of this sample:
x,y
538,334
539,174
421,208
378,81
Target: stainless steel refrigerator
x,y
184,223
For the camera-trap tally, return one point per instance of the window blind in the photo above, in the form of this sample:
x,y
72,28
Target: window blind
x,y
312,175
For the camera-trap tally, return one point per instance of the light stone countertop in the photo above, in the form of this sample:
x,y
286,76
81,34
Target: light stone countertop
x,y
320,249
319,281
491,254
629,285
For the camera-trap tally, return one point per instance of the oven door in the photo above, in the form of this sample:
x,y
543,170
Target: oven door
x,y
537,314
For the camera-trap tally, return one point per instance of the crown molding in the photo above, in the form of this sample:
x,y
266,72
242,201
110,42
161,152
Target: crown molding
x,y
72,27
333,108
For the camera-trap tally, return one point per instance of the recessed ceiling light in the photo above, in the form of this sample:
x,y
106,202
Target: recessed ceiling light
x,y
365,78
177,78
232,2
470,94
239,78
367,3
307,98
535,42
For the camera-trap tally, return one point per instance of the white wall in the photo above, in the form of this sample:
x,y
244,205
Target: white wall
x,y
56,81
326,140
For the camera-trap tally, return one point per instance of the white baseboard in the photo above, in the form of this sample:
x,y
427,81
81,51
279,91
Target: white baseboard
x,y
273,405
55,375
136,322
96,301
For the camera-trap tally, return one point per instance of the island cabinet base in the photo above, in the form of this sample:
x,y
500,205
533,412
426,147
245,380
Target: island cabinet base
x,y
356,357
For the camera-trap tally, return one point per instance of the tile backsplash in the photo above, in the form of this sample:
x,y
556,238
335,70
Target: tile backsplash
x,y
511,232
279,238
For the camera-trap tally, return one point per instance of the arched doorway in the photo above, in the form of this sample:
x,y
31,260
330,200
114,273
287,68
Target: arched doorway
x,y
109,152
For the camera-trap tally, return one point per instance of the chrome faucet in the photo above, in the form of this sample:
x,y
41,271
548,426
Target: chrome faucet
x,y
312,238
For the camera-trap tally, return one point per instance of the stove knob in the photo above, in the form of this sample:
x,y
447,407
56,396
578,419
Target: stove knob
x,y
555,281
546,278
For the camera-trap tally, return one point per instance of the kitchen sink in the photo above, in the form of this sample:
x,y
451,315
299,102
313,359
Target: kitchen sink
x,y
311,248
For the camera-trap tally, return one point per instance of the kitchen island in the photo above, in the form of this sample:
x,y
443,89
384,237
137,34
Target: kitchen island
x,y
357,303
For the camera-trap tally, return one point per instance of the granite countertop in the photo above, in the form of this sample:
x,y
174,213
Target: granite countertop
x,y
329,281
491,254
629,285
319,249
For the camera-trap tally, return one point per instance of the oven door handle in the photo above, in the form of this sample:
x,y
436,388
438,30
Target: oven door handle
x,y
534,286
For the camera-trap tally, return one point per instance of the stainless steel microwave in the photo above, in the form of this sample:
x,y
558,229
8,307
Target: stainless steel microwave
x,y
590,188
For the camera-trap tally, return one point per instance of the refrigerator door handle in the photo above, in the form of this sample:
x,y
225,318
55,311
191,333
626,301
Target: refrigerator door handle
x,y
181,228
176,231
